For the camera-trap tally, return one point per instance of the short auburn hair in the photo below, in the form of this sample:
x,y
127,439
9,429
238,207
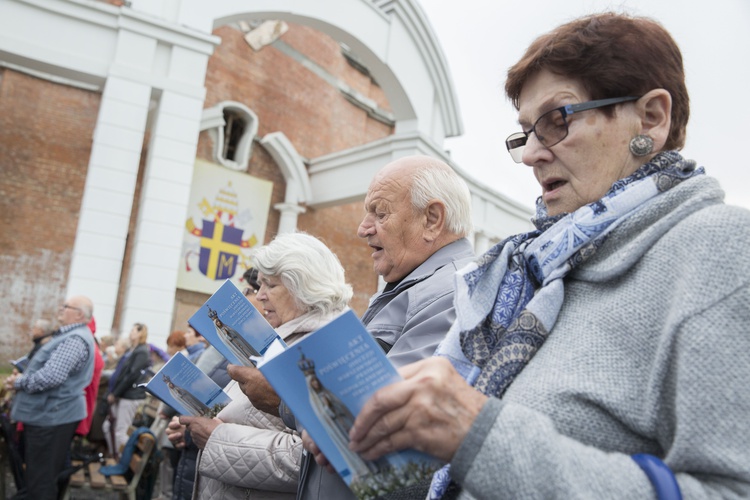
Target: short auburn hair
x,y
611,55
176,339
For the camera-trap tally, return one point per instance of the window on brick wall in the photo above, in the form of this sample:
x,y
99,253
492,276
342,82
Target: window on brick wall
x,y
234,130
232,127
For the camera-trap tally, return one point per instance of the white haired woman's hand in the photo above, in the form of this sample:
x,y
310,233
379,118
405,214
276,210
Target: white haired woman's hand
x,y
257,389
312,448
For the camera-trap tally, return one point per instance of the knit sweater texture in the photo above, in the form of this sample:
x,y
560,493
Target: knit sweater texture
x,y
650,354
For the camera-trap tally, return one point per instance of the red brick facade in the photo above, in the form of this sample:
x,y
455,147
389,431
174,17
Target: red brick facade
x,y
45,144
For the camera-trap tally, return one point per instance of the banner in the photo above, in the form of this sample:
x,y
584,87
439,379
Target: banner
x,y
227,215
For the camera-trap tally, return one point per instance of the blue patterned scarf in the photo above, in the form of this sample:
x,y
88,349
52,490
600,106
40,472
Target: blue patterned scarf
x,y
507,301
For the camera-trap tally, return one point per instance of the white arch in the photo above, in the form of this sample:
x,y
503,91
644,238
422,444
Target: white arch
x,y
298,188
392,38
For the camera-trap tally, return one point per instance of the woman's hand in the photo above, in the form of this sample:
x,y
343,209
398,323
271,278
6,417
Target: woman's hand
x,y
431,410
311,447
176,433
256,388
200,428
111,399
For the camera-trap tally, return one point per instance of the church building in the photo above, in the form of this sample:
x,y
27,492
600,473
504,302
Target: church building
x,y
147,146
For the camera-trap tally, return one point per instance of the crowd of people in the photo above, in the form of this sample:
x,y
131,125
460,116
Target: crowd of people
x,y
601,355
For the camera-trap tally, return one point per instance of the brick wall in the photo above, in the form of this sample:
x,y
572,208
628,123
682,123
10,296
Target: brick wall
x,y
337,227
315,117
45,142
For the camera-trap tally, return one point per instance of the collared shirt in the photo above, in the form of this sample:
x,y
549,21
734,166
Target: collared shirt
x,y
70,356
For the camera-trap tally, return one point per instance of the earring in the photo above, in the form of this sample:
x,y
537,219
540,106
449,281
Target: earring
x,y
641,145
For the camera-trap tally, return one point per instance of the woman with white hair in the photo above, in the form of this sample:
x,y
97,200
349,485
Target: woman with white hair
x,y
247,452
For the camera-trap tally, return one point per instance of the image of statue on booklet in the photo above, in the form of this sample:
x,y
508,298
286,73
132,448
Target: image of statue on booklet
x,y
184,387
325,379
230,323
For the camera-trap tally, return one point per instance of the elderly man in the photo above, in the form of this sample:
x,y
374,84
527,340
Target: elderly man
x,y
418,214
50,397
417,217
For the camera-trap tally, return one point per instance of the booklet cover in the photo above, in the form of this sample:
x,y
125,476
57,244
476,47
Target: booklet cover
x,y
20,363
184,387
325,379
230,323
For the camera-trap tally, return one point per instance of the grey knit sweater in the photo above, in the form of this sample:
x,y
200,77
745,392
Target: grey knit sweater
x,y
650,354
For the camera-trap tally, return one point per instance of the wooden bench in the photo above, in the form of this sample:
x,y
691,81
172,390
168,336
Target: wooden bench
x,y
89,477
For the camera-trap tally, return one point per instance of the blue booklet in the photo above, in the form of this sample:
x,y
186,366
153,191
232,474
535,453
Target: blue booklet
x,y
230,323
21,363
325,379
184,387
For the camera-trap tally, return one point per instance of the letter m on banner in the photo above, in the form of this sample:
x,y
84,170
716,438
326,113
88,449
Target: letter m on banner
x,y
220,250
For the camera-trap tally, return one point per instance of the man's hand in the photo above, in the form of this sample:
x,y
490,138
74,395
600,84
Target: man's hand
x,y
11,380
256,388
176,433
431,410
200,428
311,447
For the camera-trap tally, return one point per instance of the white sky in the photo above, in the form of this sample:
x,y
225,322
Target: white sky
x,y
482,38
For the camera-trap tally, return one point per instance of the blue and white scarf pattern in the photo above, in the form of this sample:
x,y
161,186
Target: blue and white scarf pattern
x,y
508,300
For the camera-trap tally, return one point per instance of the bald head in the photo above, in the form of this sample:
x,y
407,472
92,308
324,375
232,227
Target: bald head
x,y
77,309
406,167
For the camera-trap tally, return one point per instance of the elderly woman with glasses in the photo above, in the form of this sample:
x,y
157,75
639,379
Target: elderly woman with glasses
x,y
608,350
248,453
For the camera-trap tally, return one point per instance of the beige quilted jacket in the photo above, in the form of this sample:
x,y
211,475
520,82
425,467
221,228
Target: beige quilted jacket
x,y
257,452
253,454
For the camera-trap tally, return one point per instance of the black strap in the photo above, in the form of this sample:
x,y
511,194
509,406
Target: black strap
x,y
384,345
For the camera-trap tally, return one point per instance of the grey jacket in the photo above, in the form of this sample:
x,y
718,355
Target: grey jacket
x,y
412,318
650,354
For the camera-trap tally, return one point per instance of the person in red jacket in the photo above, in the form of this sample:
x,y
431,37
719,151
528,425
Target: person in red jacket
x,y
92,389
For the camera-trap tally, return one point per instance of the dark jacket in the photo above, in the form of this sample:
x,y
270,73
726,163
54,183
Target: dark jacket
x,y
213,364
126,385
184,471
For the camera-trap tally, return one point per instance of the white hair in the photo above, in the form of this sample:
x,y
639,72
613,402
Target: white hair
x,y
435,180
45,326
308,269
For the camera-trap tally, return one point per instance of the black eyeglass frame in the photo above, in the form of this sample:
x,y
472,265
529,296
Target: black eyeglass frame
x,y
516,141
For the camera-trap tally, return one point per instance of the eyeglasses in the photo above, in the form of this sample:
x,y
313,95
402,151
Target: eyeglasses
x,y
66,306
552,127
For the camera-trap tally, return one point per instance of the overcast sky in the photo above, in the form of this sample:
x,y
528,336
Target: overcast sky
x,y
482,38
